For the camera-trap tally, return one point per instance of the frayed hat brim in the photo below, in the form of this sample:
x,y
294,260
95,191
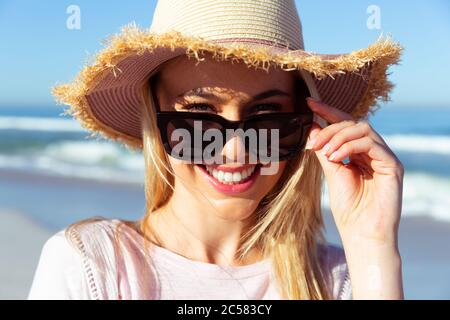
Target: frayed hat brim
x,y
110,85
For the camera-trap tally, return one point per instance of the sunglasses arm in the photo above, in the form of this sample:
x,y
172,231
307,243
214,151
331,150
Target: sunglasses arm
x,y
315,95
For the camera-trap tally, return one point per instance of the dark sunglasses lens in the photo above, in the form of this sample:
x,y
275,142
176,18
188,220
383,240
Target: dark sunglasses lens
x,y
266,138
277,137
183,136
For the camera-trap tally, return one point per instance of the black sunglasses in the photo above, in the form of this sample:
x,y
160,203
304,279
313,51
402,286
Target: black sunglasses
x,y
268,136
199,131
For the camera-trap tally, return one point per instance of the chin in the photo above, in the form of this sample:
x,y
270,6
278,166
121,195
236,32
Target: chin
x,y
233,209
234,191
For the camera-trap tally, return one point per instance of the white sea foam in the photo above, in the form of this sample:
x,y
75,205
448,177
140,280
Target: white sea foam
x,y
40,124
87,152
90,159
429,194
439,144
423,194
419,143
48,165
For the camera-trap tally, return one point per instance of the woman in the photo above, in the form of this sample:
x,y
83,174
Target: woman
x,y
213,215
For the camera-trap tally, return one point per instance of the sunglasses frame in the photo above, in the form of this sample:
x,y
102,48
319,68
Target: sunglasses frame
x,y
305,120
306,117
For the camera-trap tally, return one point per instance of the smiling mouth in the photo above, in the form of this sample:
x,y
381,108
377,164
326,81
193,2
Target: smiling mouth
x,y
233,177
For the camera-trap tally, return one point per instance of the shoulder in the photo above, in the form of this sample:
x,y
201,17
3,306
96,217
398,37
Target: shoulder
x,y
57,250
104,239
91,232
76,261
59,274
335,269
97,242
114,253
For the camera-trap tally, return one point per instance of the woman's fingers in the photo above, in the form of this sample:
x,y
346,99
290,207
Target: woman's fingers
x,y
345,137
324,135
367,146
349,142
361,145
339,120
337,134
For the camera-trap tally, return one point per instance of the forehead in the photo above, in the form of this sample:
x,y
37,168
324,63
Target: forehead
x,y
183,74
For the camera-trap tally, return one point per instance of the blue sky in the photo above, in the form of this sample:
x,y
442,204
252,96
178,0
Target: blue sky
x,y
38,51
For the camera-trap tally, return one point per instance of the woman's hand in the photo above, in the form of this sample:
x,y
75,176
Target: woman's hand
x,y
365,199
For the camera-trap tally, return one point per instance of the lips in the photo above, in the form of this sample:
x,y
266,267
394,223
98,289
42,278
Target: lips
x,y
230,180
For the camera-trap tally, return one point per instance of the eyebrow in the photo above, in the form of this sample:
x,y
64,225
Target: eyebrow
x,y
202,93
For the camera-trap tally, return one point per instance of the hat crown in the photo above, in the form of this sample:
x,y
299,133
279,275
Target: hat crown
x,y
252,21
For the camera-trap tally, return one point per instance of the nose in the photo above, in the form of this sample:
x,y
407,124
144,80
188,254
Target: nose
x,y
234,149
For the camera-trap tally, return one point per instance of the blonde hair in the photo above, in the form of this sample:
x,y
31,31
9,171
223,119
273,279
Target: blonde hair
x,y
289,225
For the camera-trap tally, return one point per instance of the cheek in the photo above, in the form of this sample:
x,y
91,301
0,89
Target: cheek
x,y
183,171
269,180
188,178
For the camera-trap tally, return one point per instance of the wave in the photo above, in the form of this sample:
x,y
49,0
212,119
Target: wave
x,y
438,144
94,153
423,194
54,167
425,191
427,194
418,143
40,124
86,159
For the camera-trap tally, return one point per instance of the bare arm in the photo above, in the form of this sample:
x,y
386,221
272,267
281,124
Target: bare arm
x,y
365,199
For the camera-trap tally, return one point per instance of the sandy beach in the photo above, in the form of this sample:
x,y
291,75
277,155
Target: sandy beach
x,y
21,242
54,202
423,243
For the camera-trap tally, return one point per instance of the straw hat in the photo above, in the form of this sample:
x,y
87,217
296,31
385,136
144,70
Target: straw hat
x,y
106,96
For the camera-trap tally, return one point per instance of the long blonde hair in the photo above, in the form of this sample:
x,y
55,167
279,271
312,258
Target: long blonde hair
x,y
289,225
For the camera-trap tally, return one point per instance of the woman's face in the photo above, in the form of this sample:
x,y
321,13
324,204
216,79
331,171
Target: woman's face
x,y
226,89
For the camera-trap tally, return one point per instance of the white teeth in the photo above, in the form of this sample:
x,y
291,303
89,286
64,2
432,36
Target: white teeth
x,y
230,177
237,177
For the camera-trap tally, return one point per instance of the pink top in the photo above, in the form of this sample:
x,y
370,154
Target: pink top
x,y
98,267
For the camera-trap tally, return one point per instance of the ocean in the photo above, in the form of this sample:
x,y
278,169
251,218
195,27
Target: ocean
x,y
54,175
43,141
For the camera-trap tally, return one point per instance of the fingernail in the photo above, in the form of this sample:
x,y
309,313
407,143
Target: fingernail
x,y
333,155
310,144
325,149
312,99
